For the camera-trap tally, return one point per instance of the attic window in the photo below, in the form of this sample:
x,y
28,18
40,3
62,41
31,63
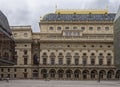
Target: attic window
x,y
25,34
98,28
51,28
58,28
66,27
74,27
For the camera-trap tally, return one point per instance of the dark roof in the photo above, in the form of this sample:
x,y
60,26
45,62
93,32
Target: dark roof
x,y
79,17
4,23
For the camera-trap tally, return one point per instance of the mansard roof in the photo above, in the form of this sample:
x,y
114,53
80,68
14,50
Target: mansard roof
x,y
4,25
79,17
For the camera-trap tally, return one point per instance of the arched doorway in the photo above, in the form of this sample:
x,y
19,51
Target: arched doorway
x,y
102,74
93,74
85,74
77,74
110,74
52,73
44,73
68,74
60,73
35,74
118,74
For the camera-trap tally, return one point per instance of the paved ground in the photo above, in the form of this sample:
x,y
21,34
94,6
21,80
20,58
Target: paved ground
x,y
42,83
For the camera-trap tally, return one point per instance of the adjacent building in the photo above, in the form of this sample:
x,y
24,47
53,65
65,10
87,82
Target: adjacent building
x,y
7,43
71,45
117,39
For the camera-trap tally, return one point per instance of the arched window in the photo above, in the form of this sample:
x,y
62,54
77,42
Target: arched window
x,y
60,56
100,61
44,57
68,58
35,59
76,57
52,56
93,61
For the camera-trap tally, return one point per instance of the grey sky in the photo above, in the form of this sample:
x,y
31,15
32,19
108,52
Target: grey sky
x,y
28,12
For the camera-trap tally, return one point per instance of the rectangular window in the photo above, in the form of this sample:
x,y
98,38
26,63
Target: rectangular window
x,y
25,52
67,28
15,70
8,70
74,27
83,28
51,28
25,75
92,61
14,75
60,61
90,28
25,34
44,61
68,61
52,61
108,61
2,70
58,28
25,70
100,61
84,61
8,75
2,75
106,28
25,61
98,28
76,61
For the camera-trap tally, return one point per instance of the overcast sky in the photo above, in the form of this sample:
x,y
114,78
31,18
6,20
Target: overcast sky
x,y
28,12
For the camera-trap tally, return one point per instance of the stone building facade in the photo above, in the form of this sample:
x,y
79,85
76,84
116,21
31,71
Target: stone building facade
x,y
71,45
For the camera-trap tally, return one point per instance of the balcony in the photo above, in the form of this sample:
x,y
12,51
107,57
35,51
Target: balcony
x,y
77,38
